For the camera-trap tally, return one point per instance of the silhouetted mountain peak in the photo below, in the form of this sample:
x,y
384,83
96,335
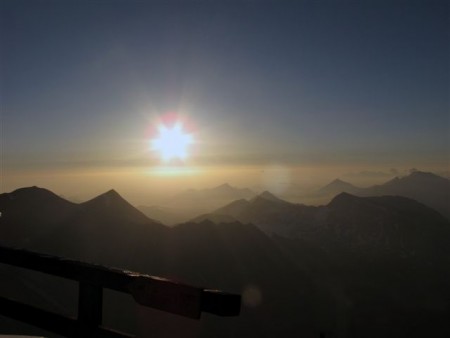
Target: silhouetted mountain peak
x,y
417,180
113,206
111,194
34,195
423,174
33,191
418,177
425,177
425,187
337,186
343,195
343,198
31,212
267,195
111,198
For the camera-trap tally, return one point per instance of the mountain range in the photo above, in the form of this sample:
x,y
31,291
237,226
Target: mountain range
x,y
38,219
427,188
391,223
356,267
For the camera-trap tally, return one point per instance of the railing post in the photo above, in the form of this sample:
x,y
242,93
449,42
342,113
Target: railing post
x,y
90,299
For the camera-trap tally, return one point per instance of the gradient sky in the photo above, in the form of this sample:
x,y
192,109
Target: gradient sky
x,y
321,85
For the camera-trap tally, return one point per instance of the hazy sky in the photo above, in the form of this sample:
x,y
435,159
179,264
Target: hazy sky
x,y
302,85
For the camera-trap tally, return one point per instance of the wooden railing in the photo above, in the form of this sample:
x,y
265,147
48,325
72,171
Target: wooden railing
x,y
154,292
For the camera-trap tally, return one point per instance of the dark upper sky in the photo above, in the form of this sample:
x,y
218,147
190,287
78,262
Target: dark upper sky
x,y
265,81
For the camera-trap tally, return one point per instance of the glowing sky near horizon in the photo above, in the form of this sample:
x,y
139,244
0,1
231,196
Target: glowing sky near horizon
x,y
306,86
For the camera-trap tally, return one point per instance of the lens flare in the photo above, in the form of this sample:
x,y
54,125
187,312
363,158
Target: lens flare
x,y
252,296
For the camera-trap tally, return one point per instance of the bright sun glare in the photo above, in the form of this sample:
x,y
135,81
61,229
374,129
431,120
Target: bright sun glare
x,y
172,143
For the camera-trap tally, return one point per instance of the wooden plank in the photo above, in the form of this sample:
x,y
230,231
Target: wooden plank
x,y
49,321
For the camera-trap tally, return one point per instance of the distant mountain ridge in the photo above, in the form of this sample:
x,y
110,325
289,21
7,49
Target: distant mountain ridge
x,y
391,223
267,196
337,186
427,188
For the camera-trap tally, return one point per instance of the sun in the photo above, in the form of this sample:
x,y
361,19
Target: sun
x,y
172,142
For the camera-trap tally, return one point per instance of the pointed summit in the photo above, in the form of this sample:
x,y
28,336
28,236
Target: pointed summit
x,y
343,198
108,198
267,195
266,199
115,206
111,194
338,186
